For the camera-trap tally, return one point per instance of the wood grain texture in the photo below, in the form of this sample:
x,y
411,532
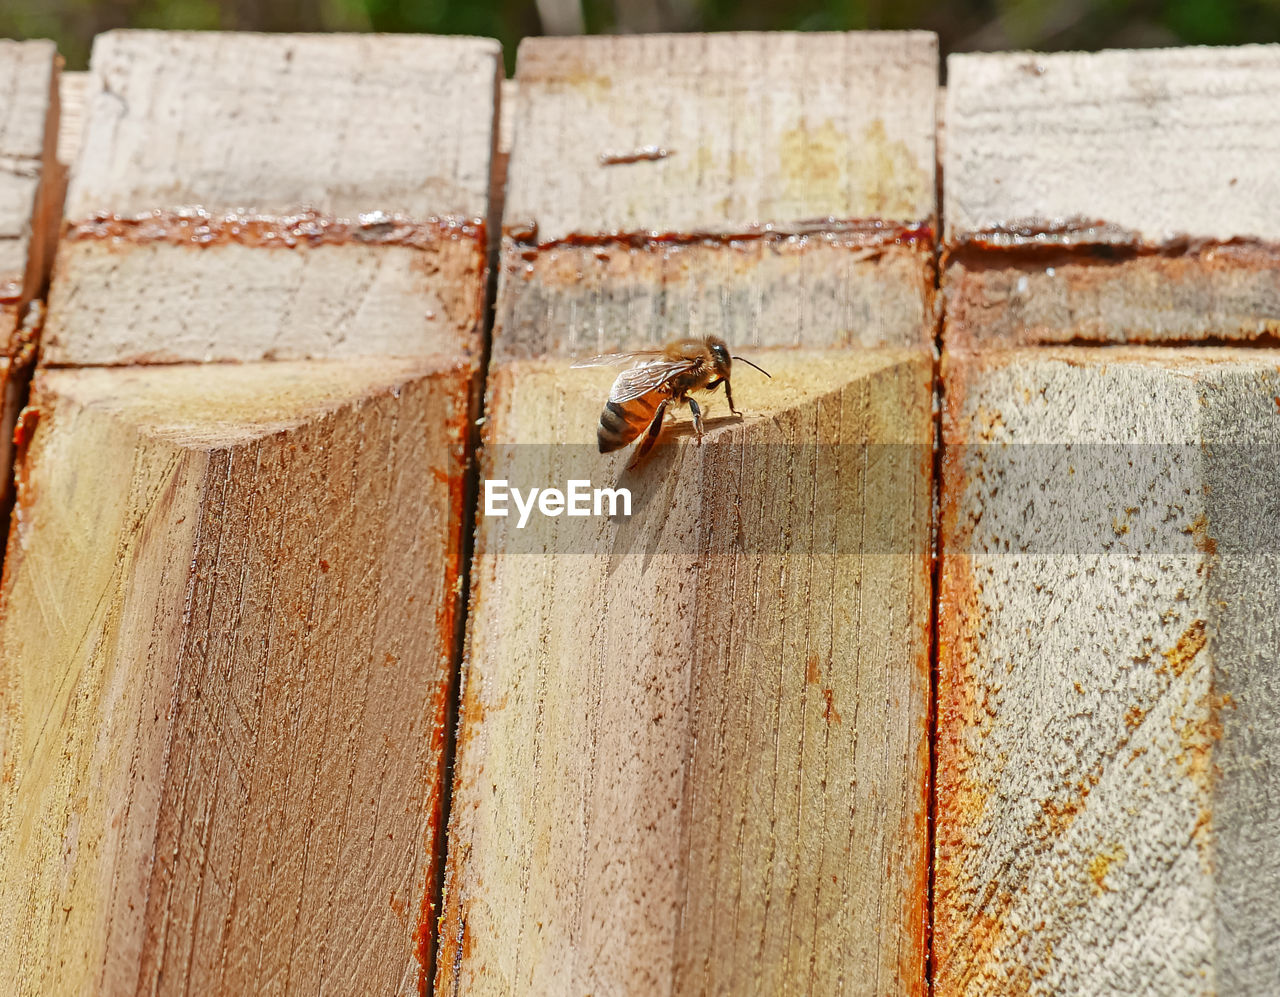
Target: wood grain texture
x,y
796,214
1107,784
73,92
232,595
742,151
1229,293
28,128
30,194
225,632
1122,196
1183,137
343,124
364,162
693,743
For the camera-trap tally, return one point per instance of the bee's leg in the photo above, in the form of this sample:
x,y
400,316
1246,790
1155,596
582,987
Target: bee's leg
x,y
651,435
728,393
697,418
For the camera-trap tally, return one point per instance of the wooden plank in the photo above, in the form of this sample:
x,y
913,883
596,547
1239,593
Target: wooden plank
x,y
364,175
1121,196
230,611
28,128
693,741
1107,777
73,93
226,632
752,211
28,220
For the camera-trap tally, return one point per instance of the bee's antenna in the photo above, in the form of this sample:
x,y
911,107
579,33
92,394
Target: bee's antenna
x,y
757,367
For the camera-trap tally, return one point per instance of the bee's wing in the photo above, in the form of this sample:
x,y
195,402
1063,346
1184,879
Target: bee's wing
x,y
616,359
639,380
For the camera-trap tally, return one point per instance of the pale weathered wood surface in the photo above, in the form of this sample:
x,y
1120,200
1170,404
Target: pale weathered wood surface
x,y
360,164
29,195
770,214
73,90
1106,786
226,631
1108,790
1031,135
343,131
849,137
28,125
693,743
232,596
1113,196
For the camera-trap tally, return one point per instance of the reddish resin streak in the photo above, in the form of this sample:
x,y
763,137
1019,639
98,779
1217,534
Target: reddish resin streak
x,y
25,428
448,622
857,233
194,226
1093,235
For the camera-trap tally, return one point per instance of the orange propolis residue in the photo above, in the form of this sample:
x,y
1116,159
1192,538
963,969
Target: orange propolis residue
x,y
195,226
853,233
447,626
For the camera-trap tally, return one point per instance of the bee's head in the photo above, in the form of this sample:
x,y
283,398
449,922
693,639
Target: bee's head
x,y
719,354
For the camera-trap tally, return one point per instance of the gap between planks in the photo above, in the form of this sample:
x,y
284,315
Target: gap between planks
x,y
502,135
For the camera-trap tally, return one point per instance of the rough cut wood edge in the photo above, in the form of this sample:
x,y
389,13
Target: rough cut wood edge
x,y
154,303
15,374
691,767
1119,196
31,186
278,217
810,291
28,212
769,214
1107,686
1222,292
226,632
504,136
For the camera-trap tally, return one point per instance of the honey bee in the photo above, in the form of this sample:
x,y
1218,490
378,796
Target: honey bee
x,y
639,397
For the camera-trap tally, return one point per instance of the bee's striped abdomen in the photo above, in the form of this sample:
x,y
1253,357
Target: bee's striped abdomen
x,y
622,422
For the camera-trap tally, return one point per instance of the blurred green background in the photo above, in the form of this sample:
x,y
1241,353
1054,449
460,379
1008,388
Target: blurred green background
x,y
962,25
